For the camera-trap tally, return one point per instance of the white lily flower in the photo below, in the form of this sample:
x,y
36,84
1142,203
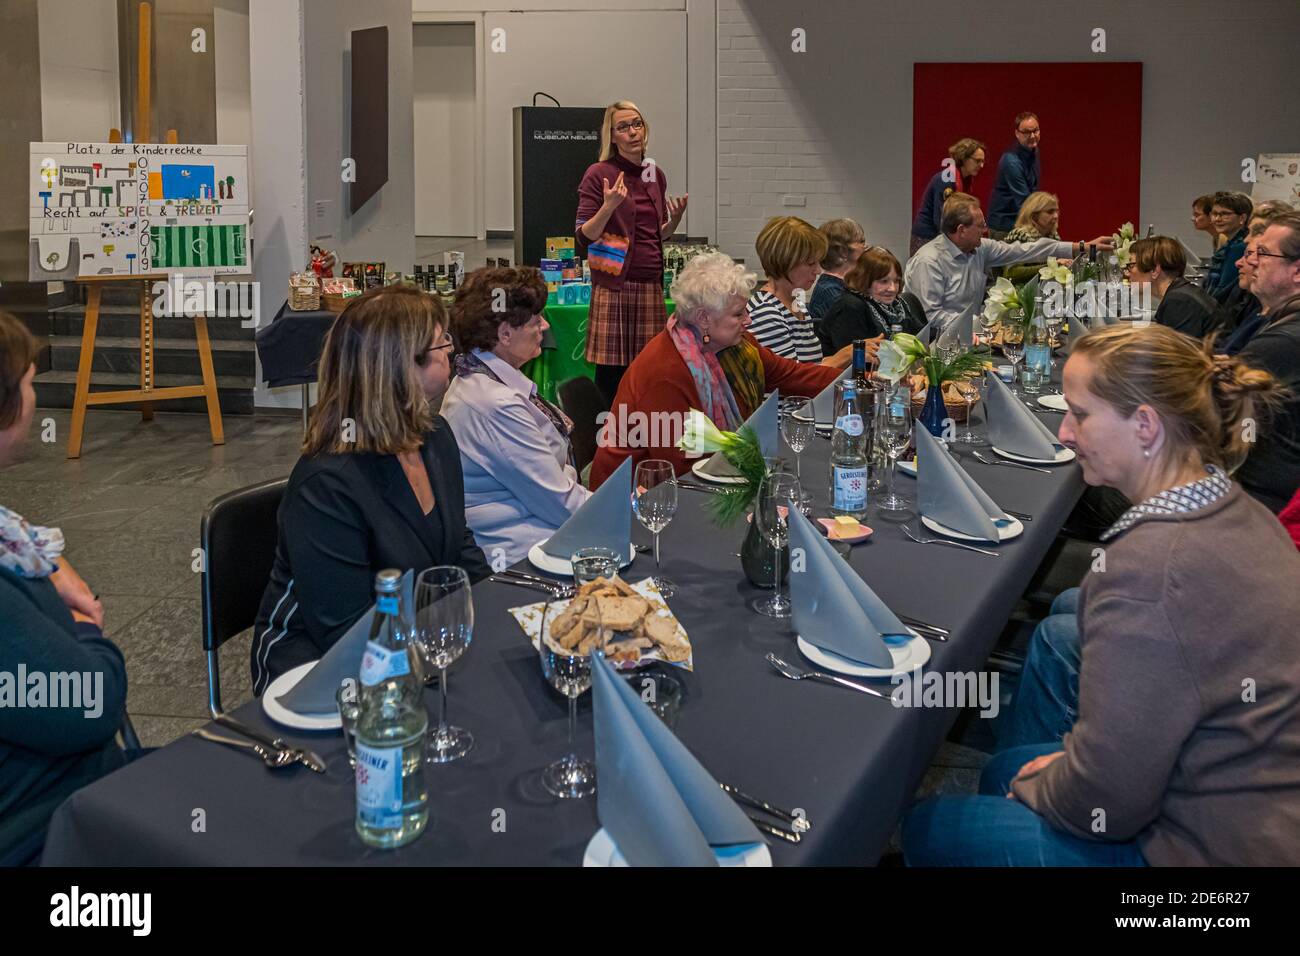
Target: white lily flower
x,y
700,436
894,360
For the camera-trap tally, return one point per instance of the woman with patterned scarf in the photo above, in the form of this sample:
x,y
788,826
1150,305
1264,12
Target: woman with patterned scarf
x,y
873,305
51,626
705,359
520,482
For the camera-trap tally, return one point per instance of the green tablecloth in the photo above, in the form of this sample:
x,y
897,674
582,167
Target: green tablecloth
x,y
569,357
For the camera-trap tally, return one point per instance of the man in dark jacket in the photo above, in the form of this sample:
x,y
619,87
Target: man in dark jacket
x,y
1271,472
1018,174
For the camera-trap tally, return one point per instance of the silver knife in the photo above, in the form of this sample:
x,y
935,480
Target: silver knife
x,y
525,576
306,757
789,836
799,823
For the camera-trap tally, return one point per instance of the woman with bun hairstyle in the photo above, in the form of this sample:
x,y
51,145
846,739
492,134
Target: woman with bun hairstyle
x,y
1177,740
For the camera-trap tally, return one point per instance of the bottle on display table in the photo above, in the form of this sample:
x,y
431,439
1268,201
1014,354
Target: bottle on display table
x,y
392,796
850,452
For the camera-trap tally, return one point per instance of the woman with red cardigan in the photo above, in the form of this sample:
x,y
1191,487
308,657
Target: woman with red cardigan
x,y
704,359
624,213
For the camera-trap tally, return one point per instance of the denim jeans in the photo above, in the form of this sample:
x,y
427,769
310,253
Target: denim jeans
x,y
1046,702
991,830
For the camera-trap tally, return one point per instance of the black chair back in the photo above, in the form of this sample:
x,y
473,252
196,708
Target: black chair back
x,y
915,311
238,536
582,401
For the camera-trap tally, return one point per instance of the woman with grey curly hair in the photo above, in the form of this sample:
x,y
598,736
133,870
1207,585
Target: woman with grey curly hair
x,y
705,359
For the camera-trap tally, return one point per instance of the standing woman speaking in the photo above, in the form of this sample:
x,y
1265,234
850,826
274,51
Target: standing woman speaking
x,y
624,213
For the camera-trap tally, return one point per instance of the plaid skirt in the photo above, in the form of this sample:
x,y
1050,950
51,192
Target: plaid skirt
x,y
622,321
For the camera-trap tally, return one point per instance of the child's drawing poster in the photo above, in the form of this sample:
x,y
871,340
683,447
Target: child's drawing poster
x,y
123,209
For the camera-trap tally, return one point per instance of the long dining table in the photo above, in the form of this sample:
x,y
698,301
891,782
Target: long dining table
x,y
851,762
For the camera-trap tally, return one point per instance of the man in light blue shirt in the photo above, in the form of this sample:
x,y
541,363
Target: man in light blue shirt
x,y
949,274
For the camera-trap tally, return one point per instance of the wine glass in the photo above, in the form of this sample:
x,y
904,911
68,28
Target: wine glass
x,y
970,393
772,516
798,426
1013,347
444,625
569,671
894,430
1054,321
988,323
655,504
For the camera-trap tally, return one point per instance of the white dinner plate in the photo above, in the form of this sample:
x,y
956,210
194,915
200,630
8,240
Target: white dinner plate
x,y
290,718
601,851
1005,531
698,471
563,566
907,467
1062,456
908,657
1055,402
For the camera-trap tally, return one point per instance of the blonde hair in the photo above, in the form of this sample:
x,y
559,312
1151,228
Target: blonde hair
x,y
1202,398
786,242
369,376
607,148
708,282
1034,204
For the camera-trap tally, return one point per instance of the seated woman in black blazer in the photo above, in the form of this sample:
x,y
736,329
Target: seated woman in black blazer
x,y
872,305
378,484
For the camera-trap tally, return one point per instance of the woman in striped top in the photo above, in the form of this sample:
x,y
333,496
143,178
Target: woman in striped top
x,y
790,251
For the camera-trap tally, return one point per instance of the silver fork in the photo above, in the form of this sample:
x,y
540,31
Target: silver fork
x,y
787,671
952,544
1011,464
556,592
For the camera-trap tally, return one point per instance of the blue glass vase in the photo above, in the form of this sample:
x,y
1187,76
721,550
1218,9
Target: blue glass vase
x,y
935,414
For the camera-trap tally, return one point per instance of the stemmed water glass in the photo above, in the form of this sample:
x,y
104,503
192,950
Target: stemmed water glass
x,y
569,672
894,430
798,426
1013,347
970,393
444,626
655,504
772,516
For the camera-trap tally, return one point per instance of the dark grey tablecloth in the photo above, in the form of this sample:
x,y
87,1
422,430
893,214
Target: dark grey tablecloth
x,y
852,762
290,346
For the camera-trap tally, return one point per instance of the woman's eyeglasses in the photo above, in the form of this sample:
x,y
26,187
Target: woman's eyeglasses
x,y
444,345
631,125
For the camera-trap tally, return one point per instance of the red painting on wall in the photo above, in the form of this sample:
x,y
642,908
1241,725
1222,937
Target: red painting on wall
x,y
1090,114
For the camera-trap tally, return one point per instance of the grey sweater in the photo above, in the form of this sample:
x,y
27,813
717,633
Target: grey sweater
x,y
1188,735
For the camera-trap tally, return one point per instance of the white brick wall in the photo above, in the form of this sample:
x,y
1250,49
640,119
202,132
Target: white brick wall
x,y
768,147
834,125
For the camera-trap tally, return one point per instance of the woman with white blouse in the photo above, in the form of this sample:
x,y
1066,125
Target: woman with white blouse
x,y
520,482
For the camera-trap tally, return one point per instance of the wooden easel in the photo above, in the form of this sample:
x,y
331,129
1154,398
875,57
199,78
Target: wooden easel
x,y
146,394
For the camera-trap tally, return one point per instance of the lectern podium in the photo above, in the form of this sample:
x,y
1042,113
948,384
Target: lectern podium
x,y
554,145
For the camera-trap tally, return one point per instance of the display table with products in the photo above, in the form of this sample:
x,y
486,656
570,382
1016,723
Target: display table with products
x,y
568,359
